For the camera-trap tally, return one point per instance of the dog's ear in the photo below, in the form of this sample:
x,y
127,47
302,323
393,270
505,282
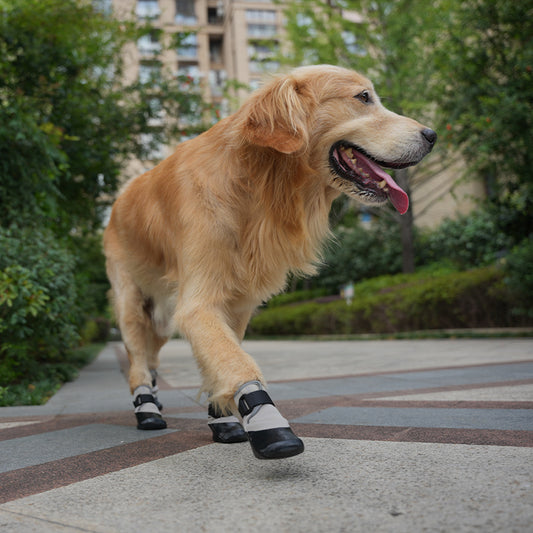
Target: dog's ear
x,y
277,116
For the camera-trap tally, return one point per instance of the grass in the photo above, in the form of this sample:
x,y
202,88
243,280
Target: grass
x,y
38,389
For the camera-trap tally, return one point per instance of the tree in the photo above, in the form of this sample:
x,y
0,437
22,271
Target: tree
x,y
484,56
68,125
67,121
387,40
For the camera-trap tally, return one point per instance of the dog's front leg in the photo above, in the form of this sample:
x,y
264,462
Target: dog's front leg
x,y
235,383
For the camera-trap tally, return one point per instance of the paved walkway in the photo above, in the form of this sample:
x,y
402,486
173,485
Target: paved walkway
x,y
400,436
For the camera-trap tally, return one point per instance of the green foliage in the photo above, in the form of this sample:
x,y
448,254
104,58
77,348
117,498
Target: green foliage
x,y
296,296
467,241
387,40
37,388
383,38
519,277
407,302
91,276
68,121
361,252
39,311
485,56
465,64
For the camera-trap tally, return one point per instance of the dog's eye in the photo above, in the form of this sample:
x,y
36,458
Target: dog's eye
x,y
363,97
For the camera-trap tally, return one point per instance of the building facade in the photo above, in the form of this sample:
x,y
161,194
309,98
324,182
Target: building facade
x,y
228,40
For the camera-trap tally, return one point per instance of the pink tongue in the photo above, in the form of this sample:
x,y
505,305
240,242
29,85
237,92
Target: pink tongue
x,y
396,194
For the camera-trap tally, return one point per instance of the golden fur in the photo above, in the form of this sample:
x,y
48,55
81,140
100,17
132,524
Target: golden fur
x,y
199,241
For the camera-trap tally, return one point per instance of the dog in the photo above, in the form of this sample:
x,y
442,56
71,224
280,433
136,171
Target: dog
x,y
198,242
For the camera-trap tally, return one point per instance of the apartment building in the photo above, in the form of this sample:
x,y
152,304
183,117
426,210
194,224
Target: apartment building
x,y
229,40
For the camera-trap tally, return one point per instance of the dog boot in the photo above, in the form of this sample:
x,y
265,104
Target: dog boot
x,y
226,429
268,432
155,389
146,410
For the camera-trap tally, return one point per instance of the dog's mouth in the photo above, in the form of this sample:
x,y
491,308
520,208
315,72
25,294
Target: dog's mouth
x,y
353,164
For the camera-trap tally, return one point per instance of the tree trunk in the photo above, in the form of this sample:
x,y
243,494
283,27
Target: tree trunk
x,y
406,225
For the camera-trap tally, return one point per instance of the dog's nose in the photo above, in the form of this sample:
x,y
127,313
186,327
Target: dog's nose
x,y
429,135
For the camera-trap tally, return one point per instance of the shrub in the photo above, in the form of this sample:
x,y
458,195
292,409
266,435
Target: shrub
x,y
476,298
95,330
468,241
519,277
38,302
38,388
295,297
360,253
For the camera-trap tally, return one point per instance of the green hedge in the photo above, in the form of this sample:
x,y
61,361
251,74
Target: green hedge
x,y
475,298
39,309
519,277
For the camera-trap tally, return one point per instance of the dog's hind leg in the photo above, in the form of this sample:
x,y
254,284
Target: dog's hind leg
x,y
134,314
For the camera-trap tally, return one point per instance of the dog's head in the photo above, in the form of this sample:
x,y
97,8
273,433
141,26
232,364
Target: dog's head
x,y
334,117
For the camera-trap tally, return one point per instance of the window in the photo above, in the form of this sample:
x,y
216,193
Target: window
x,y
185,13
149,44
261,15
262,31
188,46
257,67
215,51
103,6
303,20
217,80
259,51
261,58
215,16
189,71
148,9
156,112
149,72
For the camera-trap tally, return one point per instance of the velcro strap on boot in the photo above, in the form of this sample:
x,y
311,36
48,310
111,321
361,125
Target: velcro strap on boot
x,y
247,402
143,398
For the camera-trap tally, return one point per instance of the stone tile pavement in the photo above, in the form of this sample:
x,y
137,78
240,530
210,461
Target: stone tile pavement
x,y
428,435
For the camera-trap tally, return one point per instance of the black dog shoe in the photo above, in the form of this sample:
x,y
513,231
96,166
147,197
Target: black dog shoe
x,y
225,429
146,411
150,421
268,432
275,443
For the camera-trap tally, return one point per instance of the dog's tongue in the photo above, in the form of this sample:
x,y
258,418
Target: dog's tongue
x,y
396,194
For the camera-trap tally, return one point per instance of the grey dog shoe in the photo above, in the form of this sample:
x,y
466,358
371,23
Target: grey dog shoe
x,y
269,433
146,409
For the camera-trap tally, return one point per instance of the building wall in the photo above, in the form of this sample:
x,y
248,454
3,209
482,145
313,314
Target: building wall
x,y
446,194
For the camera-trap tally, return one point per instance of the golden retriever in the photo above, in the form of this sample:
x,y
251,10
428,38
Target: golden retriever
x,y
198,242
